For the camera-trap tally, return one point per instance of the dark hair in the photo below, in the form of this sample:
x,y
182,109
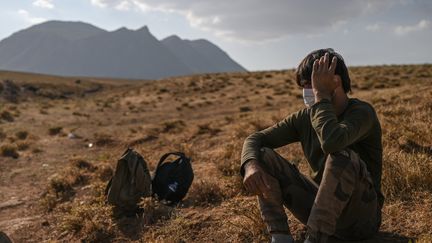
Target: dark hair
x,y
304,69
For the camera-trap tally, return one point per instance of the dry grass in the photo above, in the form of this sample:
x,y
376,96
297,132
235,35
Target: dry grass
x,y
54,130
8,150
205,193
207,117
7,116
21,135
23,145
90,222
405,174
228,163
247,220
154,212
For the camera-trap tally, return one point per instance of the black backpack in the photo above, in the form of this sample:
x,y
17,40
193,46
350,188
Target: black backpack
x,y
131,182
172,179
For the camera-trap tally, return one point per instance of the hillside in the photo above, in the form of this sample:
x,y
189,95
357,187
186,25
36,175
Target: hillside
x,y
80,49
60,139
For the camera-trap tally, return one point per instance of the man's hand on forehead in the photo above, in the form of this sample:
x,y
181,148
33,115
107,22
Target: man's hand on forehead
x,y
323,72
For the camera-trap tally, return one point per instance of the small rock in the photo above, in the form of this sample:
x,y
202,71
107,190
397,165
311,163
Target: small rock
x,y
71,135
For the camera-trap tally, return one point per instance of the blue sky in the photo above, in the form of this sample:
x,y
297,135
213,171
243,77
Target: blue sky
x,y
260,35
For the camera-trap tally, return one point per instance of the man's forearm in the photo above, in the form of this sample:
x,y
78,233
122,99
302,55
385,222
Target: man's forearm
x,y
251,148
280,134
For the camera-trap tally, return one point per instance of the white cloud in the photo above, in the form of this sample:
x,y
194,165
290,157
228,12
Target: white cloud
x,y
44,4
28,18
373,27
403,30
124,6
99,3
257,20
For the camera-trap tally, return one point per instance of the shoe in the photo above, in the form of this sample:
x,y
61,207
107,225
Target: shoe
x,y
281,238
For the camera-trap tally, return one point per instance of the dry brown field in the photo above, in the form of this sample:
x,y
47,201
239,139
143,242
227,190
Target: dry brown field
x,y
60,139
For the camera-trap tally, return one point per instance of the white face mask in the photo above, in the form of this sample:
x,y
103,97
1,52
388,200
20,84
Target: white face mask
x,y
308,97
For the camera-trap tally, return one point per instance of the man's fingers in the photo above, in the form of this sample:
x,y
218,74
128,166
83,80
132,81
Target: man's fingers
x,y
326,61
333,65
266,181
257,185
252,186
315,66
321,64
246,185
262,185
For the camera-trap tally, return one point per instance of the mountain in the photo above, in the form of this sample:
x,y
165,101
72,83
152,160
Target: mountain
x,y
201,55
80,49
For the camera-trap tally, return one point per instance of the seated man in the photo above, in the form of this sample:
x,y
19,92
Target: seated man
x,y
341,139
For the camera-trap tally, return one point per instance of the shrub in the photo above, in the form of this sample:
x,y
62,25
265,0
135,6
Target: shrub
x,y
23,145
105,173
245,109
82,164
205,192
7,116
54,130
173,126
8,150
21,135
37,150
247,219
62,188
229,163
207,129
104,140
2,135
93,222
154,211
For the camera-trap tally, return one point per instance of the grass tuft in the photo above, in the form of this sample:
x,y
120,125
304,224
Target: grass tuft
x,y
155,211
93,222
8,150
206,193
54,130
21,135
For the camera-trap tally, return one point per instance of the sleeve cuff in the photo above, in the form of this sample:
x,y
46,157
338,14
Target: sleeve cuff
x,y
242,166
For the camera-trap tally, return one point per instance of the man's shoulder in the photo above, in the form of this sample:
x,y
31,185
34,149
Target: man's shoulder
x,y
301,114
357,104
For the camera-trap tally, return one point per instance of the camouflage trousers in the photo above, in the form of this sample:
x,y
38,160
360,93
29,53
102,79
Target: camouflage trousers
x,y
343,205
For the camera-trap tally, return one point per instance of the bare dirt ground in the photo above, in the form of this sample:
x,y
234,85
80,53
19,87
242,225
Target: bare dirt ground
x,y
60,139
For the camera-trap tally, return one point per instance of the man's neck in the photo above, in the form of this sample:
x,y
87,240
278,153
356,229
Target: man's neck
x,y
340,102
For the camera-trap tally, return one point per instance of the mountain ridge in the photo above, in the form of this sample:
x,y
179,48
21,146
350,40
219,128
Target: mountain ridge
x,y
80,49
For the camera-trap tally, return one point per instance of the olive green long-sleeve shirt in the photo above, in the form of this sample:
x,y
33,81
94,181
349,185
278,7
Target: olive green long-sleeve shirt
x,y
321,132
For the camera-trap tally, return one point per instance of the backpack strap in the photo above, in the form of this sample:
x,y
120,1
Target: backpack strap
x,y
165,156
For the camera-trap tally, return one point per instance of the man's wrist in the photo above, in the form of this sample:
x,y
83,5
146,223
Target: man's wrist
x,y
249,163
322,96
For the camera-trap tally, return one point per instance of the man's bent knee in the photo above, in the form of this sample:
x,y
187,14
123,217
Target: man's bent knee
x,y
344,161
269,160
267,154
273,163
